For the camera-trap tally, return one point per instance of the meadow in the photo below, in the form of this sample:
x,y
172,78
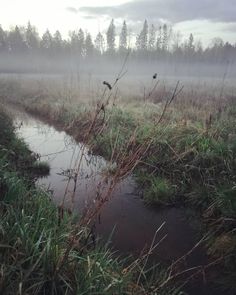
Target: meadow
x,y
45,250
177,137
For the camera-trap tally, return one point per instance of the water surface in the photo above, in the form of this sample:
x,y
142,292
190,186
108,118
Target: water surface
x,y
135,224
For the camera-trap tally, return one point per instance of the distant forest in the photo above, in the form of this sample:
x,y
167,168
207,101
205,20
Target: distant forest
x,y
153,43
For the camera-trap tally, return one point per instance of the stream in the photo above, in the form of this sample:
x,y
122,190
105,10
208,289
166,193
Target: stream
x,y
124,220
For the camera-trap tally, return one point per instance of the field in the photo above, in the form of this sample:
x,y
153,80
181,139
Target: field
x,y
177,138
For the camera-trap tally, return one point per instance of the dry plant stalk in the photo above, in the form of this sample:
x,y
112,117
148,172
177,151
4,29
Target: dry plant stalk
x,y
126,163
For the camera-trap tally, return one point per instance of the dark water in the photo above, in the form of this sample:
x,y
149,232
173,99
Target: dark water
x,y
133,224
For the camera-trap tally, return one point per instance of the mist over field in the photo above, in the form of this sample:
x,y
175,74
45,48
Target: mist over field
x,y
157,49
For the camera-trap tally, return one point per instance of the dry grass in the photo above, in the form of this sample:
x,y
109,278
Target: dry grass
x,y
188,140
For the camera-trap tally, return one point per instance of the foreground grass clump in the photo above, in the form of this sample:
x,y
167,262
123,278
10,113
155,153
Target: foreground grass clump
x,y
37,258
16,153
157,191
33,249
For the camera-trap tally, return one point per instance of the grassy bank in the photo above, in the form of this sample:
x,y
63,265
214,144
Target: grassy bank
x,y
190,154
43,253
192,148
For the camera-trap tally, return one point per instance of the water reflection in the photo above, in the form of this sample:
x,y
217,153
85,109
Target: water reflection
x,y
134,223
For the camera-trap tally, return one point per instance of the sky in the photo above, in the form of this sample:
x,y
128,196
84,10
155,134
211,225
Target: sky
x,y
206,19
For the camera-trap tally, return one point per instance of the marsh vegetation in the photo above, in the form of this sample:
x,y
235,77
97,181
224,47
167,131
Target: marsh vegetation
x,y
162,116
179,143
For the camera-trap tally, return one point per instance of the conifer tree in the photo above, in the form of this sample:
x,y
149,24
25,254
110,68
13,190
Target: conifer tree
x,y
123,37
16,40
152,38
46,42
89,47
99,43
31,37
3,40
142,38
111,37
81,41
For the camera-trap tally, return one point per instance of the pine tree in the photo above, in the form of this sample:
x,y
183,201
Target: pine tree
x,y
57,42
199,49
159,39
77,42
89,47
16,40
177,37
190,47
31,37
46,42
81,42
152,38
142,38
74,41
165,38
123,38
191,42
3,40
176,45
99,43
111,37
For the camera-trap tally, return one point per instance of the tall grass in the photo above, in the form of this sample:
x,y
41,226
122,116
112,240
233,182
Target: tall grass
x,y
33,245
42,252
185,150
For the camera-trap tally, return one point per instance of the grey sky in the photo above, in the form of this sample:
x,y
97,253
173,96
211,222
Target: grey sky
x,y
206,19
171,10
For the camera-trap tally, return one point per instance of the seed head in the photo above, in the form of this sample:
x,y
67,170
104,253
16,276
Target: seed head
x,y
107,84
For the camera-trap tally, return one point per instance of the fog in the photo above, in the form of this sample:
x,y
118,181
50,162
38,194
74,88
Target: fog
x,y
79,58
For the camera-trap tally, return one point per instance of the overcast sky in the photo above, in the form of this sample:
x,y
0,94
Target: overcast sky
x,y
206,19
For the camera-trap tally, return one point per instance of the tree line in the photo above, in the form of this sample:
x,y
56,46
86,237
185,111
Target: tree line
x,y
152,42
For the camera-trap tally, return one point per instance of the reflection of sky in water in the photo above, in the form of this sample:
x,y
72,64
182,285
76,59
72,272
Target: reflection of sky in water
x,y
135,224
62,153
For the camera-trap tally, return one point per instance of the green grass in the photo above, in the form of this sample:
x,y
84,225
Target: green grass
x,y
33,244
43,253
191,159
16,153
160,191
226,200
186,151
157,191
